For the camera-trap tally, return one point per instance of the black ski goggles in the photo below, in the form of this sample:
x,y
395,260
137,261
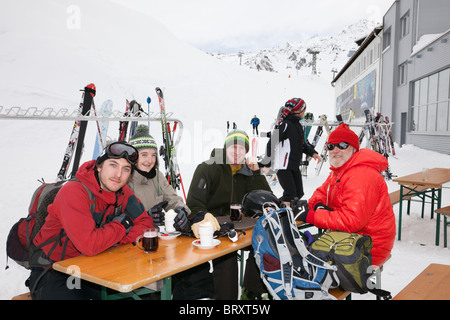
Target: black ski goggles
x,y
121,149
340,145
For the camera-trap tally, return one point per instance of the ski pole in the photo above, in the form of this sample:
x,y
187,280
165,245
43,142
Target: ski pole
x,y
182,186
148,103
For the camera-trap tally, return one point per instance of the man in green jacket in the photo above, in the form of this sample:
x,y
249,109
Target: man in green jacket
x,y
218,183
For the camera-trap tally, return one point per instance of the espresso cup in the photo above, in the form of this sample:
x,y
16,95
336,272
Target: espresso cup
x,y
149,240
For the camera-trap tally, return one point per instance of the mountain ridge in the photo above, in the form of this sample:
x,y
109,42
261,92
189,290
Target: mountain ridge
x,y
297,58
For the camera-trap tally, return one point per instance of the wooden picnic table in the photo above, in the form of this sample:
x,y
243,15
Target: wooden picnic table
x,y
413,185
433,283
126,268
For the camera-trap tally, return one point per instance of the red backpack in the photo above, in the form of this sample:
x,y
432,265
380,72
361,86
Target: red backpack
x,y
19,244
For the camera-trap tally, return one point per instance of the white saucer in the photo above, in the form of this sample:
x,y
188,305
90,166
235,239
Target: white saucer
x,y
198,245
168,236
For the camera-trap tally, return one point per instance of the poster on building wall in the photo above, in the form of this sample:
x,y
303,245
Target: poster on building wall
x,y
359,97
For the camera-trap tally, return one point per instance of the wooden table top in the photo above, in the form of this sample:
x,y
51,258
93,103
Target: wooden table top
x,y
432,284
436,178
125,268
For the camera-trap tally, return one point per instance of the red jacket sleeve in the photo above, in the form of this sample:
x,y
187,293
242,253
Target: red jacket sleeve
x,y
73,207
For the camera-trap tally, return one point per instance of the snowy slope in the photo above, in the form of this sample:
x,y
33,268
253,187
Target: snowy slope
x,y
45,61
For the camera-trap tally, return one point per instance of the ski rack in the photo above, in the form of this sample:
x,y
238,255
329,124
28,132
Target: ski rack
x,y
351,124
64,114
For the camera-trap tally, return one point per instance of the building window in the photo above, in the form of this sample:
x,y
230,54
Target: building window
x,y
431,102
404,25
387,38
402,74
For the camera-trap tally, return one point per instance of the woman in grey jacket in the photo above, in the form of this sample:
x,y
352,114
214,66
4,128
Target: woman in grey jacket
x,y
150,185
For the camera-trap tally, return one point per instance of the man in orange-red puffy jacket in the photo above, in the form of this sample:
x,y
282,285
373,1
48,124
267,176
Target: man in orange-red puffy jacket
x,y
354,197
119,217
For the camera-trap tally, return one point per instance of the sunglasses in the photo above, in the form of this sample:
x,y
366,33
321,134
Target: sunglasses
x,y
122,150
340,145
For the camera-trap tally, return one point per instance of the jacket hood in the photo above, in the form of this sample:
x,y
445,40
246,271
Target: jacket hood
x,y
364,157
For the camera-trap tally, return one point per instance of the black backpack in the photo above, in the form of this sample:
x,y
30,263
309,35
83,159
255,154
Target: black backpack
x,y
19,244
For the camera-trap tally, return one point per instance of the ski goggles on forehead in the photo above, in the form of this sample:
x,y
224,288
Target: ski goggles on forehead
x,y
121,150
340,145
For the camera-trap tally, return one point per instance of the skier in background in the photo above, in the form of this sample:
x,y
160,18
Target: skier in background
x,y
289,149
255,123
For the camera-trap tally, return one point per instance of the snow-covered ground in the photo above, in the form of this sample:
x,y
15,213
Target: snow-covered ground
x,y
47,56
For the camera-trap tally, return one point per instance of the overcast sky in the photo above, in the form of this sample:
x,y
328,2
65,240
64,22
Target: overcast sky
x,y
251,25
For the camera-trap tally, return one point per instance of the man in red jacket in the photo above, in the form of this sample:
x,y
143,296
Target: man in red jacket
x,y
354,198
119,217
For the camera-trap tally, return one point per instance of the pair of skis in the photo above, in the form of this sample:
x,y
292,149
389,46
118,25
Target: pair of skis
x,y
324,153
132,109
75,146
102,128
168,149
380,138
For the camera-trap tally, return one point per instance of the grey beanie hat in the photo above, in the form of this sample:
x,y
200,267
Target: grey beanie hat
x,y
142,139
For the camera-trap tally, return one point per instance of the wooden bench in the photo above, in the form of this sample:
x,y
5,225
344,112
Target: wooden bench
x,y
432,284
23,296
445,211
395,198
395,195
340,294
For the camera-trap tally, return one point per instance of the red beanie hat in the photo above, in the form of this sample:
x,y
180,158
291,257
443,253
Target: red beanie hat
x,y
344,134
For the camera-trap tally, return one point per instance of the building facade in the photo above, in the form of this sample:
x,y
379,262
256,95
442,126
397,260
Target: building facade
x,y
357,85
416,72
407,63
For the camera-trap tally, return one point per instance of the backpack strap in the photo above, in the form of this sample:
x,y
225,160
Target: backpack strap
x,y
91,195
273,223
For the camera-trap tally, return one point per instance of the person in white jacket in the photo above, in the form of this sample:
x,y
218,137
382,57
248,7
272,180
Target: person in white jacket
x,y
150,185
289,147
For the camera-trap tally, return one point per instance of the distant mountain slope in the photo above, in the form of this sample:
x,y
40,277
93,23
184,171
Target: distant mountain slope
x,y
296,57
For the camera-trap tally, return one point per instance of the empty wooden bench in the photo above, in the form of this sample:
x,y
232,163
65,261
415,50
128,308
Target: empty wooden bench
x,y
395,197
445,211
432,284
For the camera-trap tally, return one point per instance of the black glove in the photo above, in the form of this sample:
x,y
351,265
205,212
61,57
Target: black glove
x,y
320,205
226,227
199,216
157,213
181,220
302,213
299,207
302,216
125,220
134,207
